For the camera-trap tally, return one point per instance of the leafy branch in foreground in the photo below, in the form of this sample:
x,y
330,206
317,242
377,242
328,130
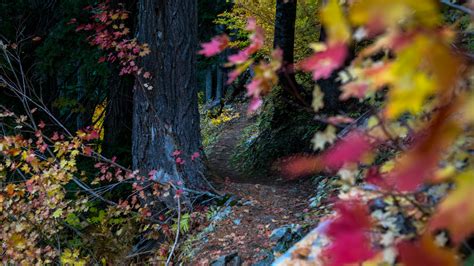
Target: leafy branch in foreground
x,y
425,122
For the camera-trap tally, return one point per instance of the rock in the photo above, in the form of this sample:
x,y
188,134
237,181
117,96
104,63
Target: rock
x,y
267,219
286,236
221,215
232,259
285,232
267,258
278,233
211,228
314,241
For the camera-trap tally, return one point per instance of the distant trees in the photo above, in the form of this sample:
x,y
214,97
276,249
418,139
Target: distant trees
x,y
283,127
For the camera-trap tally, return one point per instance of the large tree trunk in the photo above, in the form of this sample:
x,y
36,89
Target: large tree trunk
x,y
166,117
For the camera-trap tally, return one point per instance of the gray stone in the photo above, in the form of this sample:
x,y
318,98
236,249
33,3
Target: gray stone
x,y
232,259
285,231
267,260
221,215
286,236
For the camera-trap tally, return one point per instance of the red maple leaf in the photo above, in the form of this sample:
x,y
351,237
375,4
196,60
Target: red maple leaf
x,y
195,155
348,232
322,64
417,165
350,149
215,46
239,57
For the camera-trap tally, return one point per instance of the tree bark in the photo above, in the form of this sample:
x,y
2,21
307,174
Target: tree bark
x,y
118,118
166,117
208,84
219,83
284,39
118,114
283,128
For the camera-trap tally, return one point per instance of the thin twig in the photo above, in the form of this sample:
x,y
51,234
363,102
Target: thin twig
x,y
458,7
177,233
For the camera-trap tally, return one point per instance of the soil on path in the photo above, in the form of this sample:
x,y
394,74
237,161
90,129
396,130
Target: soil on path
x,y
267,205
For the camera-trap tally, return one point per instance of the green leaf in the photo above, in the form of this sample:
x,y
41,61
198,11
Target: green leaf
x,y
58,213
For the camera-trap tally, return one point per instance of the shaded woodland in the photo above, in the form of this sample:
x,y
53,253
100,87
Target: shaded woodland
x,y
216,132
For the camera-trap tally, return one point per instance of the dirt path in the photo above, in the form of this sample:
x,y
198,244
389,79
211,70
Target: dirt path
x,y
261,209
221,154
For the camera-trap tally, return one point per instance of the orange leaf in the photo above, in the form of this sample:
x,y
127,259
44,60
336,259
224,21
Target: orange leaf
x,y
456,212
10,189
425,252
419,163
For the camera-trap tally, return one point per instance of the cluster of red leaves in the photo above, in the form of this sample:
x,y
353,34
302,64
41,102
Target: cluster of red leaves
x,y
111,35
178,155
265,73
423,76
413,79
31,206
35,176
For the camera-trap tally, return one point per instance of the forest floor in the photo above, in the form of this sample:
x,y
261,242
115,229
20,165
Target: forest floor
x,y
268,204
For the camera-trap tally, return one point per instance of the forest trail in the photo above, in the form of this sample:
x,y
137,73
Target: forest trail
x,y
220,165
260,208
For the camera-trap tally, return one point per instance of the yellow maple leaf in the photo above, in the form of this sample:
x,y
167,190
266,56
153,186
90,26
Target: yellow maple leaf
x,y
410,94
411,83
320,139
335,22
393,12
318,99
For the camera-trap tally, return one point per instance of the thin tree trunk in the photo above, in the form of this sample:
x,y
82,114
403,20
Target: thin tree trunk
x,y
81,91
118,118
219,83
166,118
284,39
119,108
208,84
284,130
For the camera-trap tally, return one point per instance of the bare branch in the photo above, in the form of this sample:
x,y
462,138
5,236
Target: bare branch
x,y
458,7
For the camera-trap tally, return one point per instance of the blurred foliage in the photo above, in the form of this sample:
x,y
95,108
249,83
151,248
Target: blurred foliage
x,y
306,26
279,131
